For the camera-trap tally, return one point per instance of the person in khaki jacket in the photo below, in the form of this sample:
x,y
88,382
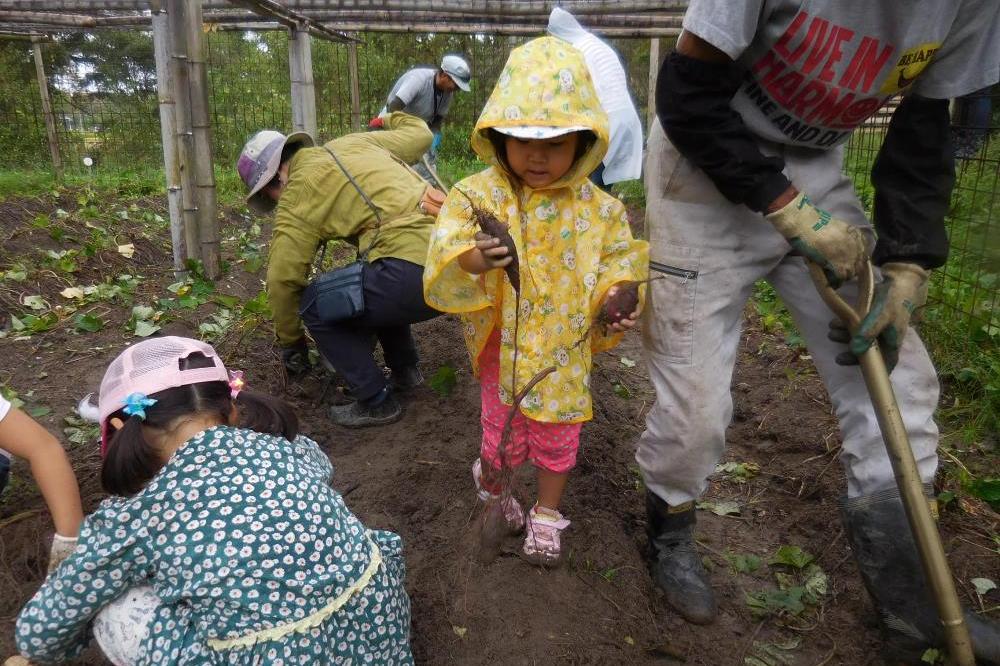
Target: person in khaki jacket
x,y
315,202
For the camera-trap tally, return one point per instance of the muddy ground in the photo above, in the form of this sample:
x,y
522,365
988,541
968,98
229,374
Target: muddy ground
x,y
413,477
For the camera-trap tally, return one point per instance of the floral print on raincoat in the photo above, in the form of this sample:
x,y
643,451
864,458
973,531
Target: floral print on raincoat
x,y
573,241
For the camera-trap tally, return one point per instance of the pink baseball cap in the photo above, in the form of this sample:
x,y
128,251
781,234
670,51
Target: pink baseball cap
x,y
149,367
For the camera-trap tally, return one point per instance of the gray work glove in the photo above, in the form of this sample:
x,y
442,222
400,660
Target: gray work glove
x,y
898,299
834,245
62,547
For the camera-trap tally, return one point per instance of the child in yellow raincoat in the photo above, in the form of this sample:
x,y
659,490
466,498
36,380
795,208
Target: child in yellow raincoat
x,y
542,130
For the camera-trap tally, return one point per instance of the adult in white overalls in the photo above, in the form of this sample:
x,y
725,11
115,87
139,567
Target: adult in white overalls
x,y
745,182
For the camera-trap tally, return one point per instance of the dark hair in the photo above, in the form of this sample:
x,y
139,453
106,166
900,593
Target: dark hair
x,y
286,154
131,461
585,139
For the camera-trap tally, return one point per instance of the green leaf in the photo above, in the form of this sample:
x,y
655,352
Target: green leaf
x,y
775,602
144,329
226,301
621,390
816,584
945,498
724,508
142,312
743,563
792,556
36,302
444,380
932,656
87,323
740,472
984,489
983,585
39,411
258,305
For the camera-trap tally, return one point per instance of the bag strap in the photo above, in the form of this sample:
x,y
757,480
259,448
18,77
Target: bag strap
x,y
363,256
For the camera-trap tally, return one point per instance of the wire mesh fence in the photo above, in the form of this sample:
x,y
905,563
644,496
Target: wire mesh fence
x,y
104,104
966,291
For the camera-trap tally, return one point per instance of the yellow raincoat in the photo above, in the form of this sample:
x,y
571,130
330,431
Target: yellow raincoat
x,y
573,240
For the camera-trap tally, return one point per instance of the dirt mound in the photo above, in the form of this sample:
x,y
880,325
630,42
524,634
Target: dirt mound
x,y
414,477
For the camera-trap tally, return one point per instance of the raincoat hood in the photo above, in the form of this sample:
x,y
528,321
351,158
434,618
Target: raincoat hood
x,y
545,83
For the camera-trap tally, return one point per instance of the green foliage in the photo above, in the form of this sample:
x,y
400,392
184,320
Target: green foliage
x,y
631,193
739,472
792,556
443,381
743,562
774,316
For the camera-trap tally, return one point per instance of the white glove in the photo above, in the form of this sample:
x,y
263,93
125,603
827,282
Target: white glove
x,y
62,547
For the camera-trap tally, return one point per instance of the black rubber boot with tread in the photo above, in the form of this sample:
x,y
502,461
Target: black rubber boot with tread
x,y
887,557
676,564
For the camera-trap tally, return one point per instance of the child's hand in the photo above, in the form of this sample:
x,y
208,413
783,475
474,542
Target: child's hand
x,y
628,322
488,254
494,254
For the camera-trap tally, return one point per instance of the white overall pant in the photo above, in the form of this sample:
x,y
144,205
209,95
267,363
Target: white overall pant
x,y
692,326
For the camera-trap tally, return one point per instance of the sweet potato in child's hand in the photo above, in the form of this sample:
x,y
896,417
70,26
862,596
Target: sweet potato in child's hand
x,y
621,301
493,227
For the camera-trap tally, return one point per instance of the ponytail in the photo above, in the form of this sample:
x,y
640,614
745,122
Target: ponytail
x,y
131,461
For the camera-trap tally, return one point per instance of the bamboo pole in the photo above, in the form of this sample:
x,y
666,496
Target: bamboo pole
x,y
73,20
184,135
667,18
506,7
303,86
355,81
171,168
50,121
201,127
654,70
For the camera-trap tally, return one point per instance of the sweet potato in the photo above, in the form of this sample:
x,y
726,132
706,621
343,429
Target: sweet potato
x,y
621,304
491,226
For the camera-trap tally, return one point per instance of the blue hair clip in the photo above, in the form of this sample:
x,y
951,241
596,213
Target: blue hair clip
x,y
136,404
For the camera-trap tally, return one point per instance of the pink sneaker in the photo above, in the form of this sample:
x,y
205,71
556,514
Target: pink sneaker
x,y
541,543
513,514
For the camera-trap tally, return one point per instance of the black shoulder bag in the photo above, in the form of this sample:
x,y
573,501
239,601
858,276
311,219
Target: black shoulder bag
x,y
339,294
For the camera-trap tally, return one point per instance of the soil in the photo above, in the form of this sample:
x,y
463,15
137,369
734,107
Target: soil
x,y
413,477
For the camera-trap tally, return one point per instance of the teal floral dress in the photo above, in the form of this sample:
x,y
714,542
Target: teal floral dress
x,y
254,556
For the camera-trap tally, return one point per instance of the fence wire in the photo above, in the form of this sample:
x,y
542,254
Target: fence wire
x,y
967,289
104,100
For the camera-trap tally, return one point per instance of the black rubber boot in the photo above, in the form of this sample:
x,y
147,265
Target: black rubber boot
x,y
676,565
890,566
360,414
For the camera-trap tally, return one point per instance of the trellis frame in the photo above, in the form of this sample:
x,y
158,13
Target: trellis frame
x,y
181,69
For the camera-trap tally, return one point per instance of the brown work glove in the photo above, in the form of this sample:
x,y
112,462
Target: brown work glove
x,y
898,299
832,244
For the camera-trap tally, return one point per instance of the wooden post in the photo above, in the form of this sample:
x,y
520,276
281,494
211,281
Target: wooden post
x,y
184,136
201,128
50,121
654,69
303,87
352,72
171,169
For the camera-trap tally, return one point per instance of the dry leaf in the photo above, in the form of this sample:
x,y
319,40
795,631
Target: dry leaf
x,y
126,250
72,292
459,631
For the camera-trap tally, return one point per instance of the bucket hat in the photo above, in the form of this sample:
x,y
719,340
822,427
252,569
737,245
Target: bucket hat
x,y
259,161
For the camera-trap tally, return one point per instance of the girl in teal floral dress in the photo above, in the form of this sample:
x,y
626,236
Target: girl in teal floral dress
x,y
220,544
